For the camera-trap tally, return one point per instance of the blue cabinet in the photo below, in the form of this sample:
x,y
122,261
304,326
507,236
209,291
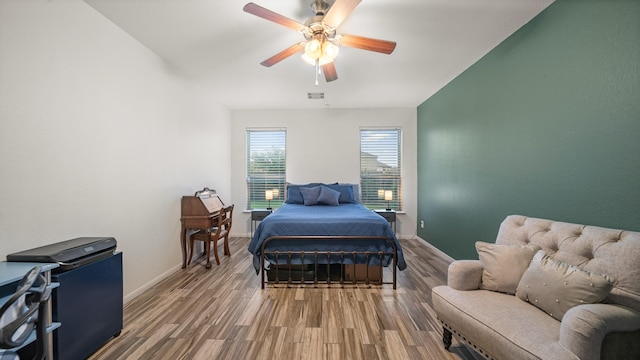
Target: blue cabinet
x,y
89,304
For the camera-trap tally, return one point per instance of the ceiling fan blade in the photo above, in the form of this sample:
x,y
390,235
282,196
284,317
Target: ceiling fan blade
x,y
329,70
339,12
291,50
364,43
267,14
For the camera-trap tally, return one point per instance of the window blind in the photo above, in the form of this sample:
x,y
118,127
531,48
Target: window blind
x,y
266,167
381,167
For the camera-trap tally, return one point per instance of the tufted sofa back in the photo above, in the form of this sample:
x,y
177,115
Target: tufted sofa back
x,y
615,253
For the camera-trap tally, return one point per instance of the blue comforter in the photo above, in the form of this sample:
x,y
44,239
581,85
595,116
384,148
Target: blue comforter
x,y
342,220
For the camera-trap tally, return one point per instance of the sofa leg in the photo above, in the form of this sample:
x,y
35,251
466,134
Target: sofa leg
x,y
446,338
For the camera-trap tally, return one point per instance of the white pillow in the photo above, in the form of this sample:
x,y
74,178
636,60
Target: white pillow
x,y
503,265
555,286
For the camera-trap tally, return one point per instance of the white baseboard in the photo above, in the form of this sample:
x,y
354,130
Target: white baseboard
x,y
436,250
151,283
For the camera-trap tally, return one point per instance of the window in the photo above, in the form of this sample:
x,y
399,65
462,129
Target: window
x,y
266,167
381,168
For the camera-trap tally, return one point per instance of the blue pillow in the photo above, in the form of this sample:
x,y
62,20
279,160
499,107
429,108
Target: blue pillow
x,y
310,195
294,196
328,196
346,193
355,189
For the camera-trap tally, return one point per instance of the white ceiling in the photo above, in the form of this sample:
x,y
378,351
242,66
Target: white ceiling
x,y
220,47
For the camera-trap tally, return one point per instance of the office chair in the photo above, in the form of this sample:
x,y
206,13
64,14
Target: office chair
x,y
25,310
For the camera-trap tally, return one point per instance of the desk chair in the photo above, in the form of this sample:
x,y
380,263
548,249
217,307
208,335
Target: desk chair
x,y
24,311
221,230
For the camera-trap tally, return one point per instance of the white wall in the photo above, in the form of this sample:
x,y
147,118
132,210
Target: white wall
x,y
99,137
324,146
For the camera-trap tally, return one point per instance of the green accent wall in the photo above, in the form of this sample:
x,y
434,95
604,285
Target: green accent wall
x,y
546,125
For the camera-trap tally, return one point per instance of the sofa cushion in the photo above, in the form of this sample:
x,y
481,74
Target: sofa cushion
x,y
555,286
502,325
613,252
503,265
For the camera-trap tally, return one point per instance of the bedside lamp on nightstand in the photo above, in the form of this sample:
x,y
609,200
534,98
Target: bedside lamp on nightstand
x,y
268,195
388,196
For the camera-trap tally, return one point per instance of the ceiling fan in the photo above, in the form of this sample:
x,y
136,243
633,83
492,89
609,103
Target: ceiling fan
x,y
321,39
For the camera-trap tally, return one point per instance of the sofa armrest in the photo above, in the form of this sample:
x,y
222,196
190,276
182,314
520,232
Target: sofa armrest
x,y
465,275
584,327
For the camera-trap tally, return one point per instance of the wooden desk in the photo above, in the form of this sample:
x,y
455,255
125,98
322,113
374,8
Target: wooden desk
x,y
198,212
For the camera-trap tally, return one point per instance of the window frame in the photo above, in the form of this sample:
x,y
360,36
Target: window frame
x,y
255,191
372,182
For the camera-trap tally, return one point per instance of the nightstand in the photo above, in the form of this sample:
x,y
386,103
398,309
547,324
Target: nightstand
x,y
258,215
390,215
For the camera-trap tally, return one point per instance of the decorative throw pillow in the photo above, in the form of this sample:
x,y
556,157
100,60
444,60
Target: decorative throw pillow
x,y
503,265
329,196
346,192
555,286
294,196
355,190
310,195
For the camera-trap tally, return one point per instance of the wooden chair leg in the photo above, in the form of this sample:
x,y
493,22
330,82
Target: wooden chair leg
x,y
191,241
208,251
215,251
226,246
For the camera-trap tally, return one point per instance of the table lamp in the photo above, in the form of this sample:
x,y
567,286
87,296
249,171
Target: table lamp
x,y
388,195
268,195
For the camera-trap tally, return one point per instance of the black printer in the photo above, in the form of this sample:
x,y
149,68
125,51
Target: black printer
x,y
69,254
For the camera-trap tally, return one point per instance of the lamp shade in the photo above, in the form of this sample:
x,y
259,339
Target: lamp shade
x,y
388,195
268,195
329,51
313,49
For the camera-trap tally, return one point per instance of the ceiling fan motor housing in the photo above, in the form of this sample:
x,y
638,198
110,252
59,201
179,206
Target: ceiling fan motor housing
x,y
320,7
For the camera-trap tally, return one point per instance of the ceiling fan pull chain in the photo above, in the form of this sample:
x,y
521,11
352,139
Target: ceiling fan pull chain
x,y
317,70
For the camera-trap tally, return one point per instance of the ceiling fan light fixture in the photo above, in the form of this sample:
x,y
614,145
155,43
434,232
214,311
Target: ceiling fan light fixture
x,y
329,50
310,61
324,51
313,49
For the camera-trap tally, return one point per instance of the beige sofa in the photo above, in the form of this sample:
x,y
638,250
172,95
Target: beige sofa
x,y
518,321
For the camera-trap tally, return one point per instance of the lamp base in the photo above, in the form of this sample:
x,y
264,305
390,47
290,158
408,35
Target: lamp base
x,y
387,209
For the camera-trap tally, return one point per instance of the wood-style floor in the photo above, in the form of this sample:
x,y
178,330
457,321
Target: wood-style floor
x,y
222,313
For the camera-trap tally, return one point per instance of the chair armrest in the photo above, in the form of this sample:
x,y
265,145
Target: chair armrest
x,y
465,275
584,327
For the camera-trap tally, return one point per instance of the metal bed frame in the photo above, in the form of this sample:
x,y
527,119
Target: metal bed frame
x,y
319,255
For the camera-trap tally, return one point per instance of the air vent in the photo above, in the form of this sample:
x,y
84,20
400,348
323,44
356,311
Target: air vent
x,y
315,96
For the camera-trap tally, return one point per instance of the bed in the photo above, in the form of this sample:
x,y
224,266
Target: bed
x,y
324,240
